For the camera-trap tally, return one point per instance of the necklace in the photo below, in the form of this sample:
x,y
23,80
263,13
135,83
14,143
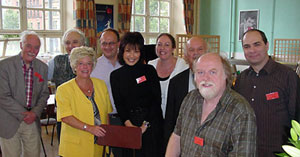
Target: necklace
x,y
83,88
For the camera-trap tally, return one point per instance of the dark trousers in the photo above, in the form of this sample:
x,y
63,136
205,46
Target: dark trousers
x,y
114,119
58,128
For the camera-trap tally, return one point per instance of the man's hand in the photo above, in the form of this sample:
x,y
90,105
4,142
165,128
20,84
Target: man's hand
x,y
29,117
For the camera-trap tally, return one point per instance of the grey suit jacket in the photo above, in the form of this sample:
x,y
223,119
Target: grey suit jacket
x,y
13,97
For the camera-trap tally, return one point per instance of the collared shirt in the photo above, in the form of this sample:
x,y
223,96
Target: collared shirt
x,y
28,78
50,69
272,92
192,84
229,130
102,71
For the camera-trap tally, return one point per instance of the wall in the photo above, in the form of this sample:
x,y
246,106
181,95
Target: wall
x,y
69,15
215,20
277,18
178,19
287,19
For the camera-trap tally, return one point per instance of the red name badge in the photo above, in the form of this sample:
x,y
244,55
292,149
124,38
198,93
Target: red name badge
x,y
198,140
272,96
141,79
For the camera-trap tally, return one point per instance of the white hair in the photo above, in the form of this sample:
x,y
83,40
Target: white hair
x,y
24,35
82,35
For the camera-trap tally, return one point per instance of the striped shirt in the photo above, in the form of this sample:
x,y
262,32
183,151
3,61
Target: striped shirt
x,y
229,130
28,78
272,92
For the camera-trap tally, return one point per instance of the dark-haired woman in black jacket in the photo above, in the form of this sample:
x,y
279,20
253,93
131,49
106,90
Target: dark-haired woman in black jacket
x,y
136,92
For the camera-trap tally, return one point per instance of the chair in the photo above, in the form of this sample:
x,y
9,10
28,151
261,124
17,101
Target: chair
x,y
287,50
150,53
213,42
50,119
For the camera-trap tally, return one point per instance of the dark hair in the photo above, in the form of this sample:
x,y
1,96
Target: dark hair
x,y
262,34
111,30
169,36
134,39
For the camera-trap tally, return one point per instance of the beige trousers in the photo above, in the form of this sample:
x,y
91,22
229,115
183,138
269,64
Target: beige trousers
x,y
25,142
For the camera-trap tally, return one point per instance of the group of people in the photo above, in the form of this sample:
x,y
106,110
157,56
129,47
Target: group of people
x,y
252,118
184,107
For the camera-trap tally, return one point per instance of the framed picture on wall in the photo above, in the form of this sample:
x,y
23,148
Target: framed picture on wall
x,y
105,17
248,20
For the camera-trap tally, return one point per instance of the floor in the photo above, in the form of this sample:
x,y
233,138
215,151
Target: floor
x,y
51,151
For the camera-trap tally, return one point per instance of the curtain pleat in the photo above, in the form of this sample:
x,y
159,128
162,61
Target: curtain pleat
x,y
124,16
86,21
189,15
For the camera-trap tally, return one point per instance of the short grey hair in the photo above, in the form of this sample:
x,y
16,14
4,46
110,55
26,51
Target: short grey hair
x,y
82,35
24,35
81,52
207,46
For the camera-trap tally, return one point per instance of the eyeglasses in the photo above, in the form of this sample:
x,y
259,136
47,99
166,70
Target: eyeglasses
x,y
108,44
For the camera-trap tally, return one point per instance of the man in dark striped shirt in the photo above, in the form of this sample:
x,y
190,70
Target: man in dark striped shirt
x,y
213,120
272,90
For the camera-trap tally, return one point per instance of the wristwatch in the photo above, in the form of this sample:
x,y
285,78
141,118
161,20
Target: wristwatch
x,y
84,127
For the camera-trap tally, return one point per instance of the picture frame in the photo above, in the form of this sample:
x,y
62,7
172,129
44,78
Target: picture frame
x,y
248,20
105,17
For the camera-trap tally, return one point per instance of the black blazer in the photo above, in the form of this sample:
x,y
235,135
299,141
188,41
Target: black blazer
x,y
178,89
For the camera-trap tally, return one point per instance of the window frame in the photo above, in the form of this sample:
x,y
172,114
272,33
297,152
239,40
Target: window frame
x,y
44,34
147,34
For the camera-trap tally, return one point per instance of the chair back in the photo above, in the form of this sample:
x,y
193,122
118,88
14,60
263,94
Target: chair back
x,y
287,50
213,42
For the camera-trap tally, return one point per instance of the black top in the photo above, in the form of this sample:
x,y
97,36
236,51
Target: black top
x,y
137,95
178,89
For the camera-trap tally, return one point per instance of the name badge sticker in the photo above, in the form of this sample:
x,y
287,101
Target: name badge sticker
x,y
198,140
272,96
141,79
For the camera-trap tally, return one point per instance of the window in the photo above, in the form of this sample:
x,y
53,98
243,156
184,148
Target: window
x,y
151,17
41,16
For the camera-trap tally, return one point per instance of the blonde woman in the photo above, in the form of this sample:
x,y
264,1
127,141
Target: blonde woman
x,y
83,104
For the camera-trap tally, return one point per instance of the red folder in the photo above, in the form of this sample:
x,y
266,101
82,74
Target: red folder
x,y
121,136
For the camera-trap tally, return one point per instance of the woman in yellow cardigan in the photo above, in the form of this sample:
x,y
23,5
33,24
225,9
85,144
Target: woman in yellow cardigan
x,y
82,105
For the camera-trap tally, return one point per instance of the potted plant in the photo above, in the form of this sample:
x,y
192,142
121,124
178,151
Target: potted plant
x,y
293,151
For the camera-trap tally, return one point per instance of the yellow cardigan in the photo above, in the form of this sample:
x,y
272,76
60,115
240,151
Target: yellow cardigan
x,y
72,102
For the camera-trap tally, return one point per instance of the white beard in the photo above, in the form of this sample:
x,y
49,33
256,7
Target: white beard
x,y
207,92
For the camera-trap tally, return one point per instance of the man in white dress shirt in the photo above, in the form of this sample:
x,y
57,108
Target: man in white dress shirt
x,y
108,62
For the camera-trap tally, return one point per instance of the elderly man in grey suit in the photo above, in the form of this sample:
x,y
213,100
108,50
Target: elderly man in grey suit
x,y
23,95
